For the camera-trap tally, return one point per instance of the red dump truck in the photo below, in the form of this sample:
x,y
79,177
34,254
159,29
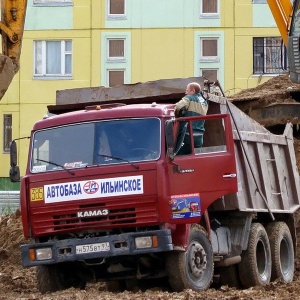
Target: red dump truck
x,y
107,197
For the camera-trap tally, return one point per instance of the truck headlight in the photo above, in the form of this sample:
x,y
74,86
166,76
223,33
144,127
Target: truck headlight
x,y
146,242
143,242
43,253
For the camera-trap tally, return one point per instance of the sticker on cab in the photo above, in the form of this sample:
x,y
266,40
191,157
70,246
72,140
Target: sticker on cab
x,y
36,194
88,189
37,169
185,206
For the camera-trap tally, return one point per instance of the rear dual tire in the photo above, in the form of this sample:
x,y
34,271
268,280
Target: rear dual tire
x,y
270,255
256,265
282,249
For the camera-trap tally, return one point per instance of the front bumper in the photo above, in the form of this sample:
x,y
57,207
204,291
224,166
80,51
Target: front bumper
x,y
121,244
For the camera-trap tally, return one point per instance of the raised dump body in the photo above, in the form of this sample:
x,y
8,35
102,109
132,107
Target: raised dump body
x,y
268,179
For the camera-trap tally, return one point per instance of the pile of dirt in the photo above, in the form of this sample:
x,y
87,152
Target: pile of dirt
x,y
11,237
278,88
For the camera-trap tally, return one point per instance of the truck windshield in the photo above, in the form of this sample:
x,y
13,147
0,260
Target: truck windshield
x,y
96,143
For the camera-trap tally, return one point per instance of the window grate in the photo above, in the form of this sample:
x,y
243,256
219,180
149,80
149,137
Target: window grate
x,y
269,56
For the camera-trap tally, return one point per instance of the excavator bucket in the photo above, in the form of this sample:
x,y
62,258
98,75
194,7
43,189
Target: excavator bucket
x,y
11,33
6,73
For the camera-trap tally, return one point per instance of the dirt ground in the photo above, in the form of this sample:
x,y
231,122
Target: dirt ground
x,y
17,282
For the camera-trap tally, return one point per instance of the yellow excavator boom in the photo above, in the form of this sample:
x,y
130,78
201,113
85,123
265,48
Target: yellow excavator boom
x,y
282,11
11,28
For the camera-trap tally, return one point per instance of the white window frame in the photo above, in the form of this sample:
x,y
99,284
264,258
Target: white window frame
x,y
209,15
116,58
52,2
113,70
63,53
110,16
209,58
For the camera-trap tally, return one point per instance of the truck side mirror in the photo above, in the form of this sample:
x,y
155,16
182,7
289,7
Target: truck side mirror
x,y
14,172
170,139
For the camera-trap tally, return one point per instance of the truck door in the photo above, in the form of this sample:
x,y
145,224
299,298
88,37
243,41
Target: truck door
x,y
206,173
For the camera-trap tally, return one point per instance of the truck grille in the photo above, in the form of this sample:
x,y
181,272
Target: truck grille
x,y
120,213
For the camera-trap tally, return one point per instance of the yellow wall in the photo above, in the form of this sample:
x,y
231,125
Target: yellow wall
x,y
161,53
155,53
244,77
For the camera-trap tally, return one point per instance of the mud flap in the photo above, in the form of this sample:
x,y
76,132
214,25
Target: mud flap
x,y
6,73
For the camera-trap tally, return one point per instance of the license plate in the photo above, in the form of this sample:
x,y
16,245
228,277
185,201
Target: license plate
x,y
92,248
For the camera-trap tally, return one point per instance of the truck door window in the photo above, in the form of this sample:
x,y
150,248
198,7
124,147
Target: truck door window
x,y
214,137
211,140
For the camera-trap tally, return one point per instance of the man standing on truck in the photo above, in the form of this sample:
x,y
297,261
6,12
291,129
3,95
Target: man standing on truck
x,y
192,104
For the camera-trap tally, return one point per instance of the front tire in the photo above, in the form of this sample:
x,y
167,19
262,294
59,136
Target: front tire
x,y
52,278
192,269
256,265
282,250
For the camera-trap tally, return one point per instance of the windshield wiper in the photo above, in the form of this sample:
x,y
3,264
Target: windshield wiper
x,y
55,164
119,158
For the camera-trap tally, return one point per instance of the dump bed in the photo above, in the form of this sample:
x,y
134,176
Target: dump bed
x,y
268,178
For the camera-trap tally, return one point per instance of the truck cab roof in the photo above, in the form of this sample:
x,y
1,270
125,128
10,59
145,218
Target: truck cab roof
x,y
104,112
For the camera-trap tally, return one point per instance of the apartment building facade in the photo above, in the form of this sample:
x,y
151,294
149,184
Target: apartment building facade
x,y
86,43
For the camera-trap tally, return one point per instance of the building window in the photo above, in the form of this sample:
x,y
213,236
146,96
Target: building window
x,y
7,132
116,49
269,55
209,7
116,7
115,58
53,58
116,77
209,49
210,74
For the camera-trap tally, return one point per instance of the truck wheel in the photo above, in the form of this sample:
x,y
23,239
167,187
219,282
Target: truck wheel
x,y
282,250
51,278
192,269
256,265
230,276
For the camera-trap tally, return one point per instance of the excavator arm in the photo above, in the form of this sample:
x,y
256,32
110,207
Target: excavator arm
x,y
282,11
11,28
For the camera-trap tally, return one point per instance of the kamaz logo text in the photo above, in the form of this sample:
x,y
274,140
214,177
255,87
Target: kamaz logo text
x,y
91,187
92,213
